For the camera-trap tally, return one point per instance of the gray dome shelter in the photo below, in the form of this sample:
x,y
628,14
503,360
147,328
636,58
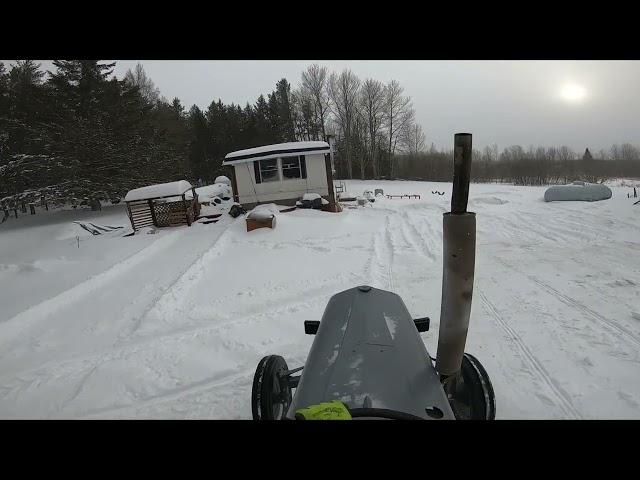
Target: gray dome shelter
x,y
578,191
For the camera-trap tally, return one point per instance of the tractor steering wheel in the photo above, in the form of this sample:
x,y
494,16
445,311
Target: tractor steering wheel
x,y
382,413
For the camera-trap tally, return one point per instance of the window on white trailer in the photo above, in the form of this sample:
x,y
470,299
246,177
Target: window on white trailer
x,y
269,170
291,168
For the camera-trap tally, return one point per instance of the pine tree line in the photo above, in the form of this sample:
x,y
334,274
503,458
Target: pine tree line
x,y
81,134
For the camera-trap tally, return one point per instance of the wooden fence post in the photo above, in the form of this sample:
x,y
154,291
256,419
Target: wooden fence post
x,y
153,213
133,223
186,210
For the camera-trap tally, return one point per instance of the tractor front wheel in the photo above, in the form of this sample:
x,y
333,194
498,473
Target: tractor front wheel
x,y
271,393
472,397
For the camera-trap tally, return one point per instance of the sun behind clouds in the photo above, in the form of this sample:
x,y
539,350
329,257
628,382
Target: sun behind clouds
x,y
573,93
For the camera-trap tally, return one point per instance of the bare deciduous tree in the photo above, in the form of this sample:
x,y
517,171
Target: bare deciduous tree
x,y
315,84
360,142
565,153
138,78
372,106
413,139
303,112
398,114
344,95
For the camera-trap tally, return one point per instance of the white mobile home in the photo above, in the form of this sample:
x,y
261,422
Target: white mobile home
x,y
281,173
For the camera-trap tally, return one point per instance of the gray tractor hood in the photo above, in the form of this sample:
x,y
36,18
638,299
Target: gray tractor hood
x,y
368,353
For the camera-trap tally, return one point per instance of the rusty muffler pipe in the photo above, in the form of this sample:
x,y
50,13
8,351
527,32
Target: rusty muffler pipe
x,y
458,264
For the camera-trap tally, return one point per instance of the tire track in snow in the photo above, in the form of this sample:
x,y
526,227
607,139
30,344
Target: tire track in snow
x,y
148,343
73,366
380,273
563,400
387,250
620,332
312,289
411,232
79,292
170,395
185,276
133,311
567,229
514,231
607,219
399,238
79,388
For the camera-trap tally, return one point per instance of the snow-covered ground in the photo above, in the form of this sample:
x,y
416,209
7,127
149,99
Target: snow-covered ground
x,y
172,325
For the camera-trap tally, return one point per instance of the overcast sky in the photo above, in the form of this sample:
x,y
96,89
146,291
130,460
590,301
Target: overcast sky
x,y
548,103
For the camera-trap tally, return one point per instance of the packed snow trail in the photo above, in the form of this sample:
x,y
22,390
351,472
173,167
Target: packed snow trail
x,y
82,327
173,325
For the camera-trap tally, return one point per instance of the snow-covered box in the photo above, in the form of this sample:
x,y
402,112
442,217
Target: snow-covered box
x,y
262,216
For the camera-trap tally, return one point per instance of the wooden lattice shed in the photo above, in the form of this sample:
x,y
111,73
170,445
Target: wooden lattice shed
x,y
163,205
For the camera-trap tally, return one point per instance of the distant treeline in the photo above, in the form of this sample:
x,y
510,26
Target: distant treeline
x,y
77,134
539,166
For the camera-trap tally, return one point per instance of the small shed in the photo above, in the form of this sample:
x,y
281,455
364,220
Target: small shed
x,y
281,173
164,205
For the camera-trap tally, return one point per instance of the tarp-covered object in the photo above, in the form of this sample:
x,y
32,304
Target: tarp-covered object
x,y
578,191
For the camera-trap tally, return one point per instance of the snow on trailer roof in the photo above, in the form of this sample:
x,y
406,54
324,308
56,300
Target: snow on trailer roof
x,y
158,191
265,152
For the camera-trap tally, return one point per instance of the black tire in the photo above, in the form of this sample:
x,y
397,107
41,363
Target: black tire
x,y
270,394
474,398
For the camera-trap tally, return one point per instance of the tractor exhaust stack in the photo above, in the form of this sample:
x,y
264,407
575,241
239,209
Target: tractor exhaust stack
x,y
459,244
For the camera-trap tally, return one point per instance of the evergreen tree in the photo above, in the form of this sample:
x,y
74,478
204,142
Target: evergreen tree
x,y
285,116
265,134
78,83
199,134
177,107
4,111
4,91
27,108
216,123
172,136
273,118
250,131
96,137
